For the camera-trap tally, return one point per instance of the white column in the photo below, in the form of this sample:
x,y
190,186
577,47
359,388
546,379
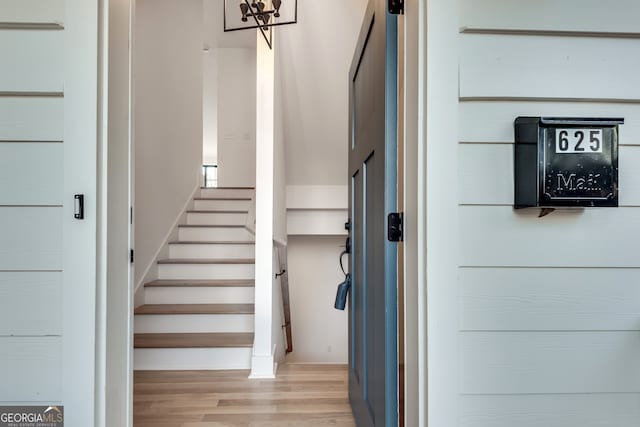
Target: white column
x,y
263,363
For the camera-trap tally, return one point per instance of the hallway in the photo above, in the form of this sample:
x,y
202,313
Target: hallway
x,y
301,395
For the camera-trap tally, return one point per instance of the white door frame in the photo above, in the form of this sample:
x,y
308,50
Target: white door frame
x,y
114,331
114,302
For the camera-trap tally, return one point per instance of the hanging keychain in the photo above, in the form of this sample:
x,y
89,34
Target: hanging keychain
x,y
343,288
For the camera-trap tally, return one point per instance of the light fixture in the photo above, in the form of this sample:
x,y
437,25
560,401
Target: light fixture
x,y
260,14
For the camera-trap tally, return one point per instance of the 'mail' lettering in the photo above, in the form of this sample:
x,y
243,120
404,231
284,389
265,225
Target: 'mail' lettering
x,y
572,182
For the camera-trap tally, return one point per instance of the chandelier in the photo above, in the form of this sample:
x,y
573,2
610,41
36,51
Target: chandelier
x,y
263,15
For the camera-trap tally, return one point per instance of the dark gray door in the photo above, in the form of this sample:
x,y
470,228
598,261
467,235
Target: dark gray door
x,y
373,368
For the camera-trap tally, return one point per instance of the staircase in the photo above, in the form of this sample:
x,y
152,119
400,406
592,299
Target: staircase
x,y
199,314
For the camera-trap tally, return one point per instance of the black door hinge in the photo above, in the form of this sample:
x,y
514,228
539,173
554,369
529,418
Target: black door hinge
x,y
395,227
396,7
131,256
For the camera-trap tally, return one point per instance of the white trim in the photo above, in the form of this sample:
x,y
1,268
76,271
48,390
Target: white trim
x,y
317,222
263,342
439,224
412,212
423,372
264,367
317,196
100,415
80,258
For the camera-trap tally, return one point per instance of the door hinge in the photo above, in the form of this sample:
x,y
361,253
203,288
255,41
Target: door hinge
x,y
395,231
131,256
396,7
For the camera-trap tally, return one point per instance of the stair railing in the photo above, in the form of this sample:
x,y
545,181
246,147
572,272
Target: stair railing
x,y
282,274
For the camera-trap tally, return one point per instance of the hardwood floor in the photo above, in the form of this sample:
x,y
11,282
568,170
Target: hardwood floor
x,y
300,396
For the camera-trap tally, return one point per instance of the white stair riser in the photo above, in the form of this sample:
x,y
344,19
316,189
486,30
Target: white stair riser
x,y
204,251
206,271
227,205
210,218
191,358
189,295
212,234
193,323
227,192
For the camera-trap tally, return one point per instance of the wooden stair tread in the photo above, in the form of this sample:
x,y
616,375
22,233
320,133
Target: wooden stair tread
x,y
210,226
201,283
196,309
217,211
207,261
227,188
218,242
193,340
244,199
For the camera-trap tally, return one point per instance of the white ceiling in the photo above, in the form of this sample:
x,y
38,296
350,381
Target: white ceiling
x,y
214,35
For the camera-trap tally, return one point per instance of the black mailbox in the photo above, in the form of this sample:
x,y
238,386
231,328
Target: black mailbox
x,y
566,162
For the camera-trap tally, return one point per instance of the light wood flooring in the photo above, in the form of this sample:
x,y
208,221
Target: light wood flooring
x,y
300,396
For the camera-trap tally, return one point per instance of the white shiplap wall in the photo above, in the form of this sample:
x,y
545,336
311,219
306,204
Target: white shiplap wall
x,y
549,308
31,182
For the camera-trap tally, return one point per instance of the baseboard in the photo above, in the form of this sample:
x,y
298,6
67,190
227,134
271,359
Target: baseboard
x,y
264,367
151,270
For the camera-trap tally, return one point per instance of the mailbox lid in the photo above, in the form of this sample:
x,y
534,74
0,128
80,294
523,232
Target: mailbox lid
x,y
584,121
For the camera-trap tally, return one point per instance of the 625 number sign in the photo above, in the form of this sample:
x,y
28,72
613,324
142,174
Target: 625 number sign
x,y
575,141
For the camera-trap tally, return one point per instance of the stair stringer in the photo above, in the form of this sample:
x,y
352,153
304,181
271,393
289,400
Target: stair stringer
x,y
151,270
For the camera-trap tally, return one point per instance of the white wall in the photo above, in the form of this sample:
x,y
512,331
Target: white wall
x,y
279,158
319,330
236,117
315,61
313,68
210,107
168,118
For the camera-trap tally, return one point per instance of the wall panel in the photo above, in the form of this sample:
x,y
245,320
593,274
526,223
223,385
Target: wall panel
x,y
30,238
31,369
552,410
498,236
482,121
486,174
32,11
552,15
547,299
573,67
550,362
31,174
31,119
32,61
31,303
